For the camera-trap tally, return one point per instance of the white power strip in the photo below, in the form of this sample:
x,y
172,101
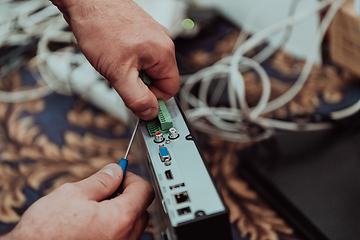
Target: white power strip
x,y
87,82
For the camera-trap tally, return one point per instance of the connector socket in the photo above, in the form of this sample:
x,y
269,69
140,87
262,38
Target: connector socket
x,y
168,175
184,211
180,185
182,197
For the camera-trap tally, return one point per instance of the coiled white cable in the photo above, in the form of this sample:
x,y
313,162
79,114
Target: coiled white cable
x,y
41,20
231,123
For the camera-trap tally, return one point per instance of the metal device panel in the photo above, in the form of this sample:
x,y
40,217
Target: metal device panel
x,y
187,190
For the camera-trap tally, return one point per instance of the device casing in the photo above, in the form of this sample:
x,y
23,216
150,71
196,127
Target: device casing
x,y
188,205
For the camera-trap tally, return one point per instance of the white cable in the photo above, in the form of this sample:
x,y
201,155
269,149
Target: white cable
x,y
236,79
258,109
240,134
246,32
262,35
23,21
297,86
25,95
349,111
231,119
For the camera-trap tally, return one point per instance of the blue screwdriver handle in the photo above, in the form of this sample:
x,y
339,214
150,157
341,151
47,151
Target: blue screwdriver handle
x,y
123,163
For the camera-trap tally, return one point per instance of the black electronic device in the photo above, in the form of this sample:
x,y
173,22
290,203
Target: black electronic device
x,y
311,178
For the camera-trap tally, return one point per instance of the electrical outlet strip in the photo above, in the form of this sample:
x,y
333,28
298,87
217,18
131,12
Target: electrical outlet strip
x,y
189,205
85,81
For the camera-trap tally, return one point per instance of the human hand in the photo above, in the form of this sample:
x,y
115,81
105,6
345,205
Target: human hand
x,y
79,211
119,39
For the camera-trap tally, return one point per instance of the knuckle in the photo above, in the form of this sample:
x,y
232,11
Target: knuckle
x,y
170,46
104,181
139,104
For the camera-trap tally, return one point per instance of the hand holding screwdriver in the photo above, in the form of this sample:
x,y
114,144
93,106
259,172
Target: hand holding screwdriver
x,y
124,162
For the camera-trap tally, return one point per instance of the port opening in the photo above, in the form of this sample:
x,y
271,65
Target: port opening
x,y
180,185
184,211
182,197
168,175
164,154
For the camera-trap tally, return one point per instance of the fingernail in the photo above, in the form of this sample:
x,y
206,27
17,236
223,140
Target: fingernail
x,y
108,171
147,113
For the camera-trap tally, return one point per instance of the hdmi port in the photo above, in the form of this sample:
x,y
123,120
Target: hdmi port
x,y
177,186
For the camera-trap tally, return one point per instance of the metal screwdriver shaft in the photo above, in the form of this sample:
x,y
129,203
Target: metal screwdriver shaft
x,y
131,139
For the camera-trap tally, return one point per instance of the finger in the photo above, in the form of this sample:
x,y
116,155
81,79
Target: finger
x,y
140,226
101,184
165,75
136,95
167,32
137,195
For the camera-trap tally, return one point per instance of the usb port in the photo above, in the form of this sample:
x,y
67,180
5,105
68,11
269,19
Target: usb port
x,y
182,197
177,186
184,211
169,175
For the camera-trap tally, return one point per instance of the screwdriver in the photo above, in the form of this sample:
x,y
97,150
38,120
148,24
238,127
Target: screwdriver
x,y
123,163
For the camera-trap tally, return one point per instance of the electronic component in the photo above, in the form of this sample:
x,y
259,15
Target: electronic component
x,y
145,78
168,175
187,183
182,197
177,186
164,116
173,134
164,155
183,211
162,123
153,126
158,137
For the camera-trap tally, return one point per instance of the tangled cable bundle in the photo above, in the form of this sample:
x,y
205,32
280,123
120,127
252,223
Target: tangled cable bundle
x,y
33,25
238,121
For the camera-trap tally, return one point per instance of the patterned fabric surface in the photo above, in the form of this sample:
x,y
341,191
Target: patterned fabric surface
x,y
45,143
58,139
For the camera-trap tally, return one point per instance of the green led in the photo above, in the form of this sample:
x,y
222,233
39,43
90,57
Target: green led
x,y
188,24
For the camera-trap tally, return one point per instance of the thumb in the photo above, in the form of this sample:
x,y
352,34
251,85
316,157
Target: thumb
x,y
101,184
136,95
